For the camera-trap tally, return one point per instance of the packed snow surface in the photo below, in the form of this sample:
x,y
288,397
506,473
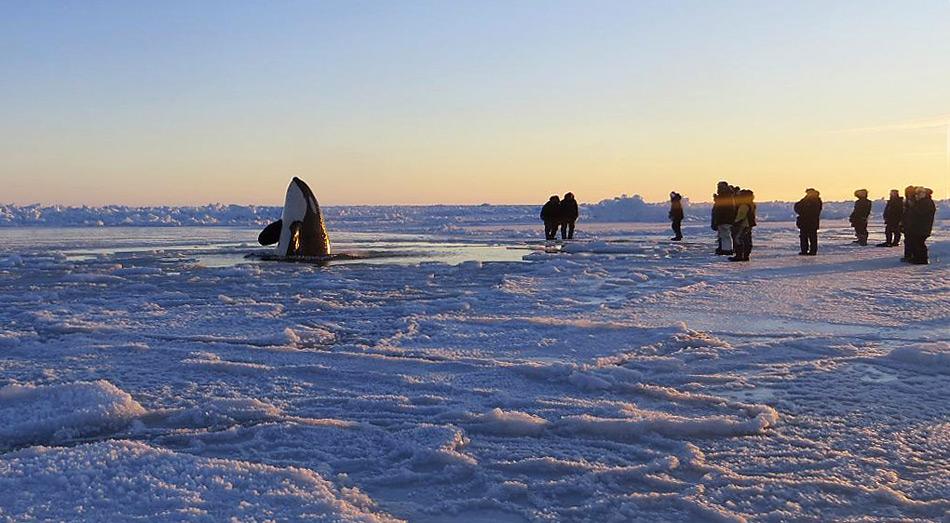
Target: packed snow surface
x,y
474,374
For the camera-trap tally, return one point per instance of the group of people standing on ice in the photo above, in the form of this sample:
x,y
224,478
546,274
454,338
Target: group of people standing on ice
x,y
913,215
560,213
733,217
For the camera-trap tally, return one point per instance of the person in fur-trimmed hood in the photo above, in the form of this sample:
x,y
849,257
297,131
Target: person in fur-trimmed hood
x,y
743,224
551,216
723,214
676,215
808,210
893,214
569,213
910,195
919,222
859,216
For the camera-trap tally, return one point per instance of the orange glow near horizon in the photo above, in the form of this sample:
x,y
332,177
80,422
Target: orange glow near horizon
x,y
836,163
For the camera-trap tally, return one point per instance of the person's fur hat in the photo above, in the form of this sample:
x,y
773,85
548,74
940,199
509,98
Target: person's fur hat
x,y
812,190
861,193
924,192
675,196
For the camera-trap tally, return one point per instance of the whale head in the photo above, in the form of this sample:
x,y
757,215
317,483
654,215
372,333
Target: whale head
x,y
302,231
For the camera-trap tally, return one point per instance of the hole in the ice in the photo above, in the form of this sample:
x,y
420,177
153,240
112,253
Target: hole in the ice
x,y
224,246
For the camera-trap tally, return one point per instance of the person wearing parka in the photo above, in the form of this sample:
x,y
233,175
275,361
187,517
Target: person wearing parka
x,y
723,215
551,216
743,224
676,215
808,210
919,225
893,213
859,216
910,195
568,214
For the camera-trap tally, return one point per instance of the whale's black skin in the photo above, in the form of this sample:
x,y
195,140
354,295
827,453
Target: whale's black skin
x,y
300,231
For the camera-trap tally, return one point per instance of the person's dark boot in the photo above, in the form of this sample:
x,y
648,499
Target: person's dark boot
x,y
727,253
735,258
885,244
803,253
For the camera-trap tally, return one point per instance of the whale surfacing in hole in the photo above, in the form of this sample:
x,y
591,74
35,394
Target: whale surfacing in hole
x,y
300,231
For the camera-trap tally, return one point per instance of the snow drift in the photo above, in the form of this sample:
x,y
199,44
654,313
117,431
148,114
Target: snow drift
x,y
43,414
123,480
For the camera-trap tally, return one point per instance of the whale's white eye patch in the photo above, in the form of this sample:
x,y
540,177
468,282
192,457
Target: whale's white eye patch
x,y
295,211
295,239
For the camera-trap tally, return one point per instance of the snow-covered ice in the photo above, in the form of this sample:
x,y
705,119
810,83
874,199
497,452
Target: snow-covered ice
x,y
469,373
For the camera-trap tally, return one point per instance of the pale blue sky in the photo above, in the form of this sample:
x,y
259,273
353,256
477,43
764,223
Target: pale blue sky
x,y
465,102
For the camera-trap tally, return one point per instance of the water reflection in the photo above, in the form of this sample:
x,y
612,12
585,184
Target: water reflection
x,y
227,246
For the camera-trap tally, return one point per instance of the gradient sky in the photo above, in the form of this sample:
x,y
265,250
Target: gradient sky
x,y
189,102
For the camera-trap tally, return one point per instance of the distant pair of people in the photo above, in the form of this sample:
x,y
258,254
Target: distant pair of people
x,y
558,213
733,217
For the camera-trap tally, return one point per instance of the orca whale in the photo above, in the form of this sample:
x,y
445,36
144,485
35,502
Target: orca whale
x,y
300,231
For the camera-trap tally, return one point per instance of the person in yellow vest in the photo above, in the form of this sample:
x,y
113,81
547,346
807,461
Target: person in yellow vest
x,y
743,224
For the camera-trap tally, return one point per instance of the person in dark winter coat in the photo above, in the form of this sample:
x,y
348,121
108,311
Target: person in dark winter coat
x,y
910,195
735,206
893,213
808,210
743,224
723,216
551,216
569,214
919,225
676,215
859,216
